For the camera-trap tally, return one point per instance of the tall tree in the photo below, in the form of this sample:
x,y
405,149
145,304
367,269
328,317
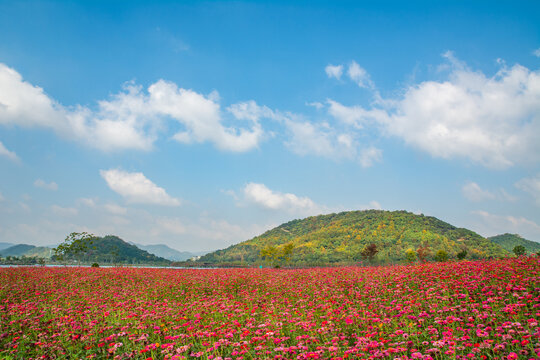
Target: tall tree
x,y
369,252
75,245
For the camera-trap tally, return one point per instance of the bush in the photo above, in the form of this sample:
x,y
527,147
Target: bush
x,y
95,265
441,256
410,255
519,250
462,254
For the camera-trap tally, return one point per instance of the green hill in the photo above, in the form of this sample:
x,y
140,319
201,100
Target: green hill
x,y
26,250
509,241
340,238
112,249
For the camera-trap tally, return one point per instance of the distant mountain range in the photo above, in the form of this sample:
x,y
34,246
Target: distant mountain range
x,y
5,245
167,252
341,238
26,250
105,247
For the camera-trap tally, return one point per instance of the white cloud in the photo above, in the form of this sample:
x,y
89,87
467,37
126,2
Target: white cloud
x,y
261,195
201,118
320,140
317,105
531,185
64,211
115,209
171,225
334,71
87,202
493,121
9,154
213,233
136,188
369,156
536,52
492,224
45,185
131,119
24,104
375,205
25,207
473,192
308,138
359,75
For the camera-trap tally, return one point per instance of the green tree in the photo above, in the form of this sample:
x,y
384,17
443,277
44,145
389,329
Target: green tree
x,y
422,252
369,252
462,254
75,245
519,250
441,256
410,255
269,254
287,251
277,256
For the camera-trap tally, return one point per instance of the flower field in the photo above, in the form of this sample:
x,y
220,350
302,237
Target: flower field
x,y
456,310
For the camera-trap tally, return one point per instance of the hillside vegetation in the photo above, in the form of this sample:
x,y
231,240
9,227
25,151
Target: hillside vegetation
x,y
340,238
111,249
509,241
26,250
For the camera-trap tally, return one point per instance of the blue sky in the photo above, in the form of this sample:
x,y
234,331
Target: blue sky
x,y
201,124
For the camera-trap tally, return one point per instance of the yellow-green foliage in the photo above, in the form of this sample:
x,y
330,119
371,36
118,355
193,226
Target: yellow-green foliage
x,y
340,238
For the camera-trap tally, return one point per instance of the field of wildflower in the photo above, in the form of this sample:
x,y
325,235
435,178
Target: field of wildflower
x,y
455,310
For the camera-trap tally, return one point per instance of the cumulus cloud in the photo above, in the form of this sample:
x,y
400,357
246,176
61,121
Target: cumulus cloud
x,y
136,188
317,105
115,209
536,52
473,192
45,185
359,75
320,140
9,154
493,224
531,185
493,121
334,71
369,156
171,225
131,119
86,202
261,195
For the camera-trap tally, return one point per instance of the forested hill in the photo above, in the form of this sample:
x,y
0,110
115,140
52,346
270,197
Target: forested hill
x,y
509,241
111,249
340,238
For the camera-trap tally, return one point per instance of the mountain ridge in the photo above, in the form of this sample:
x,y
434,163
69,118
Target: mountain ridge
x,y
340,238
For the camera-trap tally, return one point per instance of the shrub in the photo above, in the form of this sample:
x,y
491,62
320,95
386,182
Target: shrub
x,y
441,256
95,265
410,255
519,250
